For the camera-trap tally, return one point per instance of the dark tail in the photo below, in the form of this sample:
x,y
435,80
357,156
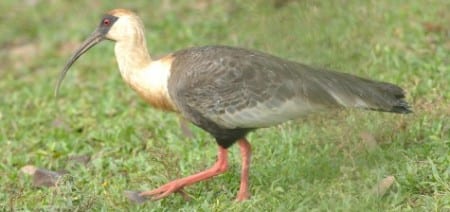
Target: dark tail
x,y
356,92
391,98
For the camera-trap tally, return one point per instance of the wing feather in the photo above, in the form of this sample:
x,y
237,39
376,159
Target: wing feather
x,y
239,88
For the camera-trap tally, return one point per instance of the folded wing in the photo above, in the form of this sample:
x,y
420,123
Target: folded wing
x,y
238,88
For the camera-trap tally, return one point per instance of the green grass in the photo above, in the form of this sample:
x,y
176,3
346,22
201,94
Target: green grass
x,y
317,163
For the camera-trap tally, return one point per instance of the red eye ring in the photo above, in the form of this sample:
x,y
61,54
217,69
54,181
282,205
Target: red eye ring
x,y
106,22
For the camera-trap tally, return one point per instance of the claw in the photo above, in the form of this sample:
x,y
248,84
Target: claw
x,y
165,190
138,197
134,196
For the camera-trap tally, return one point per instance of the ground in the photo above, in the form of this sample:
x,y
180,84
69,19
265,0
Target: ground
x,y
326,161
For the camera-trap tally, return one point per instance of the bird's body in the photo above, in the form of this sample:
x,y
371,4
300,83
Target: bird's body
x,y
230,91
221,88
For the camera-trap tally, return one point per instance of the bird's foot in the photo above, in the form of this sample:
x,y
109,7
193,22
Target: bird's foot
x,y
165,190
177,185
159,193
134,196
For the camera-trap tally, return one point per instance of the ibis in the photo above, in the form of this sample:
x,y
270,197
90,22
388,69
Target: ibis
x,y
229,91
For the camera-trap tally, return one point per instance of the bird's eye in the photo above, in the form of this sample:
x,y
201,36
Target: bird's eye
x,y
106,22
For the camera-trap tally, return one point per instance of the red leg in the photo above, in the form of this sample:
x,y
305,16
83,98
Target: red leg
x,y
246,151
219,167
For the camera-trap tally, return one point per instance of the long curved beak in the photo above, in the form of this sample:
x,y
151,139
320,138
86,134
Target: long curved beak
x,y
91,41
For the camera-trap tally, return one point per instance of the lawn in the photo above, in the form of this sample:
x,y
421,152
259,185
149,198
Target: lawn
x,y
328,161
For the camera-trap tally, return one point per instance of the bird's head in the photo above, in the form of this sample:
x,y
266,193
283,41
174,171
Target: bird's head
x,y
116,25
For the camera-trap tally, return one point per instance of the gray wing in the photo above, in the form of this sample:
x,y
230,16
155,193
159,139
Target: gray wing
x,y
238,88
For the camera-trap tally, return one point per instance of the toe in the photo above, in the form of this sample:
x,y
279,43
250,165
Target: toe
x,y
134,196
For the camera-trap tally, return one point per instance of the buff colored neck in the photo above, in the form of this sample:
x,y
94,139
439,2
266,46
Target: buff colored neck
x,y
132,56
148,78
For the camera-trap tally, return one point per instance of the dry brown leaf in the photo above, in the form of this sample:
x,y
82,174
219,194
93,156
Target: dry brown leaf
x,y
46,178
43,177
382,187
29,169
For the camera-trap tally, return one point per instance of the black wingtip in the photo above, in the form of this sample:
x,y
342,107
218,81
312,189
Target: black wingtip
x,y
401,107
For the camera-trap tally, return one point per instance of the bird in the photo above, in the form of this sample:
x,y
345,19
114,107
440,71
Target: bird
x,y
229,91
